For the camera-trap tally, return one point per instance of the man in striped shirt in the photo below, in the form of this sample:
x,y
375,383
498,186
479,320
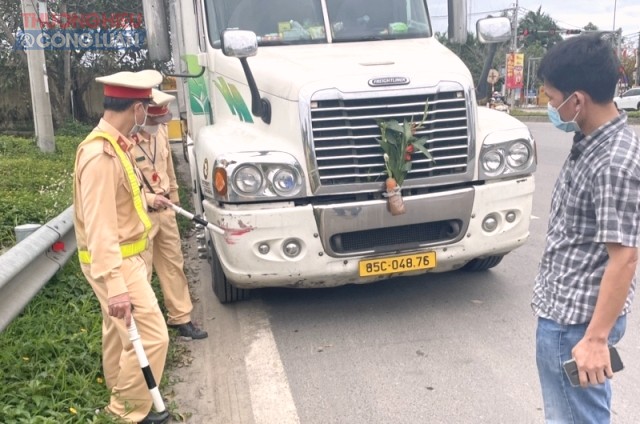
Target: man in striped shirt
x,y
585,283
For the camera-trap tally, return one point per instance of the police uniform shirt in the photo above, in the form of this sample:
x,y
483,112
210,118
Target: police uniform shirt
x,y
153,158
105,215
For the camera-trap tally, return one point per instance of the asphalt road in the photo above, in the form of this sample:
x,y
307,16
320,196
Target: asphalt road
x,y
441,348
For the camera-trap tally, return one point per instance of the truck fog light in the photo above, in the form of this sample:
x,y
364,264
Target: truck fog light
x,y
510,216
263,248
490,223
291,248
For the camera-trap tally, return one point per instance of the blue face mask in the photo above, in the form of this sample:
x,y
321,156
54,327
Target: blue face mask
x,y
556,120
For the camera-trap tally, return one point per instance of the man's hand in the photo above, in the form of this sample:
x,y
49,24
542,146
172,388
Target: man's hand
x,y
120,307
593,361
161,202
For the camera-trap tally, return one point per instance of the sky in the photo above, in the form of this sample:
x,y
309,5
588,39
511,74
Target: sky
x,y
569,14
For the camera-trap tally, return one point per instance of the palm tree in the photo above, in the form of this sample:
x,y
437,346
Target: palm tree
x,y
538,28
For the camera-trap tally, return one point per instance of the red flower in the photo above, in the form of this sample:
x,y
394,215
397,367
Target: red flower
x,y
410,148
407,157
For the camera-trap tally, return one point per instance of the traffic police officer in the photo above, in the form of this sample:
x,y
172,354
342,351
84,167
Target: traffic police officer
x,y
112,228
153,157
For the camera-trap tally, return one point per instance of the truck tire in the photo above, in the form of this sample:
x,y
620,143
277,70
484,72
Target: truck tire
x,y
185,151
482,264
222,288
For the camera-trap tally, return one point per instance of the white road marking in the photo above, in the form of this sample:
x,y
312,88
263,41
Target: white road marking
x,y
271,397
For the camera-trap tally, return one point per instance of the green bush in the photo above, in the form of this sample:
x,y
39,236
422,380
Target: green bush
x,y
34,186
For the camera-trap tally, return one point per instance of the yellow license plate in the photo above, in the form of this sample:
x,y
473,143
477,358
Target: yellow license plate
x,y
395,264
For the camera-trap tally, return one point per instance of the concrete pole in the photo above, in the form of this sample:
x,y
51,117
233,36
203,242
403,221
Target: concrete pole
x,y
514,48
40,102
638,62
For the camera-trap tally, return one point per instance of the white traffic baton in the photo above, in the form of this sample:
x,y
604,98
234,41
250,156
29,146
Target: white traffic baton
x,y
158,403
198,219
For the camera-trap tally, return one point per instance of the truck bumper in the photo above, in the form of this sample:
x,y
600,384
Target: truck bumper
x,y
253,253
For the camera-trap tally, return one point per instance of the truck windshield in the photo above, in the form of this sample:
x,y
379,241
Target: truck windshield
x,y
278,22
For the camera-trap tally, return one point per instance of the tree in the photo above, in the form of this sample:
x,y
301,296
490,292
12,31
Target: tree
x,y
591,27
538,28
70,71
474,54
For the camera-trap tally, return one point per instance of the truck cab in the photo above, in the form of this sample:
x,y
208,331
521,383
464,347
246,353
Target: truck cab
x,y
282,101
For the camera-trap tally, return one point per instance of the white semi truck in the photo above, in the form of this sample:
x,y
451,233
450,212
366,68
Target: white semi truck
x,y
281,101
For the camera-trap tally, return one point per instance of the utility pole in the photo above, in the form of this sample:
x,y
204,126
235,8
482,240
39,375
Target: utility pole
x,y
514,48
40,103
638,62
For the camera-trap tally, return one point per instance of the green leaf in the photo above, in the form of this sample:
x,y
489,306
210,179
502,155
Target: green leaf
x,y
424,150
395,138
394,125
407,130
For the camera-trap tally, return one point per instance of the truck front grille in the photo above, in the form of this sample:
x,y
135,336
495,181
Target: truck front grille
x,y
345,136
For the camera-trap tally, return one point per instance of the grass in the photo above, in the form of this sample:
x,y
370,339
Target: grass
x,y
50,355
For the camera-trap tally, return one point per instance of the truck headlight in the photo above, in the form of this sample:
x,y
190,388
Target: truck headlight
x,y
256,176
285,181
507,153
493,162
247,179
518,155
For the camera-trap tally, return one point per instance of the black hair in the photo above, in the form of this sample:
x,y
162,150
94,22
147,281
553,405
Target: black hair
x,y
117,104
586,63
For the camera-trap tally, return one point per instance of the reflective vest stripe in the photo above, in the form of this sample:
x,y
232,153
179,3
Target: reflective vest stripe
x,y
138,246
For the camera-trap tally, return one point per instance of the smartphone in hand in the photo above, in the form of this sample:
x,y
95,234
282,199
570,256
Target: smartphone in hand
x,y
571,369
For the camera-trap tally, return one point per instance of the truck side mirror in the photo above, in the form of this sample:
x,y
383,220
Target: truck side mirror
x,y
243,44
493,30
239,44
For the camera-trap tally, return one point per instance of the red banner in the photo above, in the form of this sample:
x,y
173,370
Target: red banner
x,y
515,70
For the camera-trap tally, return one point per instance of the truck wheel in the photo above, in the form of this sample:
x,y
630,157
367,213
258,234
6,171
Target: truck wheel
x,y
483,264
222,288
185,152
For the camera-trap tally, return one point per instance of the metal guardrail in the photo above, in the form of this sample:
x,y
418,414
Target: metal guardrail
x,y
31,263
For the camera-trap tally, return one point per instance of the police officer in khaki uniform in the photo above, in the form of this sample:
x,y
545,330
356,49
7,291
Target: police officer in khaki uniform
x,y
112,228
153,157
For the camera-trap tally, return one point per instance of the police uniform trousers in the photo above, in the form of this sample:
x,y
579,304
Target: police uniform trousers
x,y
165,254
130,397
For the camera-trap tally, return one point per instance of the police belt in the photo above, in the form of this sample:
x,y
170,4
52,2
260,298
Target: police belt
x,y
126,249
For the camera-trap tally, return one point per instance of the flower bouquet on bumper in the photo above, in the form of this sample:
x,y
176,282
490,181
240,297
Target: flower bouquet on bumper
x,y
399,143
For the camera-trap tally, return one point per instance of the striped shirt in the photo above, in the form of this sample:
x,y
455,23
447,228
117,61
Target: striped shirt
x,y
596,200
